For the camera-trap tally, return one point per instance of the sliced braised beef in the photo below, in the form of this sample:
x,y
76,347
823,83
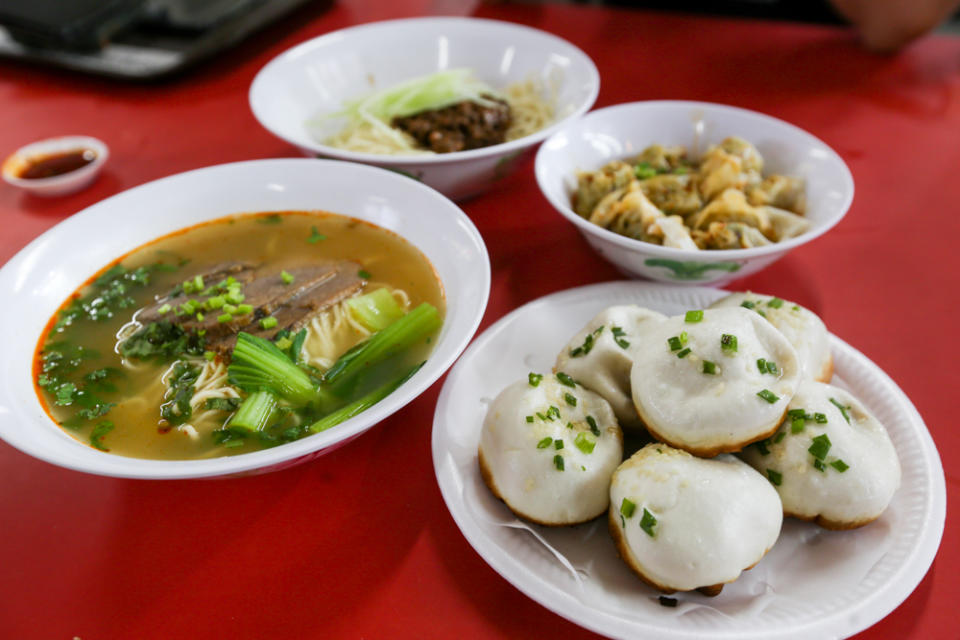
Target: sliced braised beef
x,y
293,294
459,127
313,289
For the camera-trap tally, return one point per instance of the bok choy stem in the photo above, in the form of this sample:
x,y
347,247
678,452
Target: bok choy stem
x,y
402,334
363,403
258,364
254,413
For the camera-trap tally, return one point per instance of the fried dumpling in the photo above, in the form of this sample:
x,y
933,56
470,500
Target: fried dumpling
x,y
713,381
600,357
732,206
593,186
683,523
831,461
784,224
548,448
802,327
779,191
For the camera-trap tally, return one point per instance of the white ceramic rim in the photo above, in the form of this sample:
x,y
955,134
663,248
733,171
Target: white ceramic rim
x,y
106,464
60,142
585,226
872,609
400,161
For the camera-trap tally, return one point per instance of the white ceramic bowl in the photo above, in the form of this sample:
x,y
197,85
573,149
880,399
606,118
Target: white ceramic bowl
x,y
624,130
39,278
317,76
63,184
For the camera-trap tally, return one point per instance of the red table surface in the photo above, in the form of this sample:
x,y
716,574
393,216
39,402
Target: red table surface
x,y
359,543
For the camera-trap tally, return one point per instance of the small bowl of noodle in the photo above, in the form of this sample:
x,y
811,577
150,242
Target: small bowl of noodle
x,y
455,103
258,315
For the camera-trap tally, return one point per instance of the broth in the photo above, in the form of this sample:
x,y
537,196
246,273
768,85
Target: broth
x,y
83,352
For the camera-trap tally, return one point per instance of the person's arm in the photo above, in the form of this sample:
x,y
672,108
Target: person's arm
x,y
887,25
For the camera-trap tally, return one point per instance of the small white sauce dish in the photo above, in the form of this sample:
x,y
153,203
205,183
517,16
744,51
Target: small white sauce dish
x,y
59,185
623,131
320,75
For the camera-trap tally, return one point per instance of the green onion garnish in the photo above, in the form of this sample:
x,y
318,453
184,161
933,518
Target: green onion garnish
x,y
675,344
286,277
820,418
627,507
779,437
819,466
710,368
230,308
644,170
546,442
570,399
534,378
768,395
558,462
529,418
553,412
268,323
775,477
761,446
163,309
215,302
839,465
587,345
558,444
209,355
363,273
584,442
684,353
648,522
728,343
565,380
796,425
797,413
747,304
543,416
224,317
618,334
594,429
843,410
199,317
776,303
772,367
244,309
695,315
820,447
315,236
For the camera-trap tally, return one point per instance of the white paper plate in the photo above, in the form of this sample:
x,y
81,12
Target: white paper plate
x,y
813,583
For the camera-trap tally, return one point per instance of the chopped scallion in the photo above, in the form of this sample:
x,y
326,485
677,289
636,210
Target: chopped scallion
x,y
710,368
684,353
570,399
648,522
775,477
534,378
627,507
696,315
558,462
594,429
565,379
268,323
820,447
584,442
839,465
728,343
768,395
843,409
546,442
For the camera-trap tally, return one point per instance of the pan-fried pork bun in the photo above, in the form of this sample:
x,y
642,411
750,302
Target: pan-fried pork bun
x,y
802,327
548,448
599,356
713,381
831,461
683,523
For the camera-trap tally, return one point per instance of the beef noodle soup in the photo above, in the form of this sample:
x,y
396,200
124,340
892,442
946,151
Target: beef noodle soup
x,y
238,334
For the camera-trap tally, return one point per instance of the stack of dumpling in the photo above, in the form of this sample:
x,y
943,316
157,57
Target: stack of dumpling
x,y
747,376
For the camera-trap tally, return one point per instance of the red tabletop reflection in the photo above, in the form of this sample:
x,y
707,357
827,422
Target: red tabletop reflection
x,y
359,543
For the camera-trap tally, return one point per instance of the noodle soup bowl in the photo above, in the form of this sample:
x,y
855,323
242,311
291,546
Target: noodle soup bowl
x,y
38,279
293,92
623,131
